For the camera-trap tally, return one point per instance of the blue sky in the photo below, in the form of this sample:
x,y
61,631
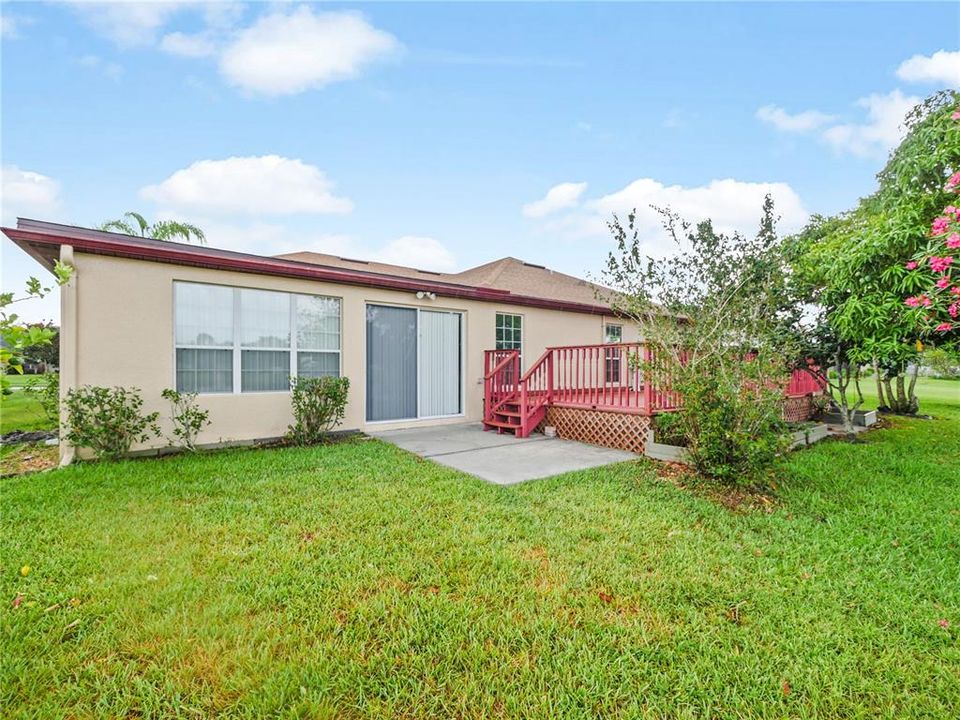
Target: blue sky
x,y
447,135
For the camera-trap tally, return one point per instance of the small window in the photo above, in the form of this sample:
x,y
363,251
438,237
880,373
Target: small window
x,y
612,334
318,336
509,332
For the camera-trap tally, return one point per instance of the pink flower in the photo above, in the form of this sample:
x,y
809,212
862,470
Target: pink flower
x,y
943,327
940,226
925,301
943,282
953,181
912,301
949,210
912,265
953,241
954,310
940,264
955,290
956,115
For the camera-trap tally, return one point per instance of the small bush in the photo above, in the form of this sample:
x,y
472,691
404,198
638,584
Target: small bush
x,y
733,435
319,405
108,420
668,429
46,389
188,419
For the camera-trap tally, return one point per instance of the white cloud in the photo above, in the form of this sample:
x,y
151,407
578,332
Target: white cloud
x,y
882,130
191,46
424,253
287,53
110,70
942,67
263,238
799,122
267,185
559,197
732,205
128,23
8,27
27,194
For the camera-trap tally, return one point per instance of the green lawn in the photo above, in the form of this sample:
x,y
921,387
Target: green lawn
x,y
20,410
358,581
930,392
18,380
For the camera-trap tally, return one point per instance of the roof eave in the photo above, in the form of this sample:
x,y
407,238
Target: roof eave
x,y
32,241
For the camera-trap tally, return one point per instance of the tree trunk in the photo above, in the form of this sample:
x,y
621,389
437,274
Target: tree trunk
x,y
905,401
911,395
881,402
890,399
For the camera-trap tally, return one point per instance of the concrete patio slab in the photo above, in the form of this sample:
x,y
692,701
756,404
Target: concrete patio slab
x,y
501,459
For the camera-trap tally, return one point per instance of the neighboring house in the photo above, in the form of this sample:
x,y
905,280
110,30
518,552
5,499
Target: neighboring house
x,y
234,327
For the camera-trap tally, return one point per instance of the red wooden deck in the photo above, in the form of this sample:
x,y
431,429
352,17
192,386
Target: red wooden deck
x,y
596,377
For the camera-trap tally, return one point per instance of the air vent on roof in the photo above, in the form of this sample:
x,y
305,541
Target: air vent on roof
x,y
362,262
541,267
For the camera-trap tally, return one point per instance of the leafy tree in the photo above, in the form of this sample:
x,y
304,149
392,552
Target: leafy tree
x,y
857,261
135,224
943,362
716,317
15,336
45,353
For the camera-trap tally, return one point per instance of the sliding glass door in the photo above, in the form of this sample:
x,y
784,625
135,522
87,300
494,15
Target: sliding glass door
x,y
414,363
440,357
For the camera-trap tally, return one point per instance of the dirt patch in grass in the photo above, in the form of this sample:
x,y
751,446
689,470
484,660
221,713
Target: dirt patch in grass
x,y
23,459
737,499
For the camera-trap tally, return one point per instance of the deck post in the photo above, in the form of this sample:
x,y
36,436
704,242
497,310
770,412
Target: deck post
x,y
550,377
647,380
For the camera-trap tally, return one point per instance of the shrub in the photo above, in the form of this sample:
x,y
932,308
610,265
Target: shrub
x,y
108,420
319,405
46,389
668,429
188,419
732,433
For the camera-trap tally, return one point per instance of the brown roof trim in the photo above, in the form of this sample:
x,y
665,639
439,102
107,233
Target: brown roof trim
x,y
35,236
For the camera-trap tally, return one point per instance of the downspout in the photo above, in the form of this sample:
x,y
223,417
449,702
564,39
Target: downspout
x,y
68,348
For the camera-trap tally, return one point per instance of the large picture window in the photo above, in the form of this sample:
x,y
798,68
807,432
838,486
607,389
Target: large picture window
x,y
243,340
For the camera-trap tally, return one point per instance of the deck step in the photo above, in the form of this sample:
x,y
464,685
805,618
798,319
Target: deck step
x,y
502,424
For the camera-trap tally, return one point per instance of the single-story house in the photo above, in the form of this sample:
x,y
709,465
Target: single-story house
x,y
419,347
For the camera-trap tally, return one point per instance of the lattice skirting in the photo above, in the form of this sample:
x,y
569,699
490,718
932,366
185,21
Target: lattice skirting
x,y
622,431
798,409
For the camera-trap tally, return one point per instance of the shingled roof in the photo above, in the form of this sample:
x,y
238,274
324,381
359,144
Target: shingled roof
x,y
509,273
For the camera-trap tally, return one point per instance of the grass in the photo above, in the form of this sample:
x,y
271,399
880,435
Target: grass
x,y
356,580
930,391
20,410
18,380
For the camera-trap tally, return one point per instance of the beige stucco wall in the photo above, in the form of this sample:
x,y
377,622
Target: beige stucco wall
x,y
122,312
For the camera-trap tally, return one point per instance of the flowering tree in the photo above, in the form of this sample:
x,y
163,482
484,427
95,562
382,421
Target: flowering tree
x,y
935,270
858,261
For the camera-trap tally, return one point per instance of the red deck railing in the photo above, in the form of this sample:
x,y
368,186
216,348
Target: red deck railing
x,y
608,377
